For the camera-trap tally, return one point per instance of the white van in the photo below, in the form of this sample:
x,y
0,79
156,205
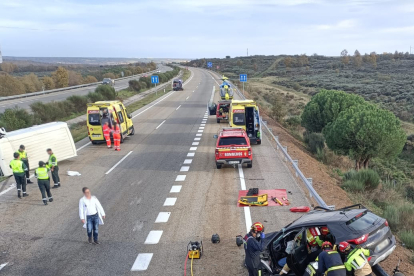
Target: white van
x,y
37,139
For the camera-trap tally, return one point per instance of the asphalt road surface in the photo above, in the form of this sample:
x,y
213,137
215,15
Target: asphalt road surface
x,y
25,103
165,192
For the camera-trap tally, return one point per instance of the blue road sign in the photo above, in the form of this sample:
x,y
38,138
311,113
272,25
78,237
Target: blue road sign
x,y
154,79
243,77
209,64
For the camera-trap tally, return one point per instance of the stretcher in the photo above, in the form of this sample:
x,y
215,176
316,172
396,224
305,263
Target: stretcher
x,y
258,200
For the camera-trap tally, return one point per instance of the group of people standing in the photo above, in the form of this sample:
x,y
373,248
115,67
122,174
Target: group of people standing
x,y
330,261
20,168
116,134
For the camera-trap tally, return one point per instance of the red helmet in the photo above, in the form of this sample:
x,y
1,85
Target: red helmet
x,y
257,226
326,244
344,246
324,230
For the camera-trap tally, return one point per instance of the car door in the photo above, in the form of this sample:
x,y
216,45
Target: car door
x,y
297,260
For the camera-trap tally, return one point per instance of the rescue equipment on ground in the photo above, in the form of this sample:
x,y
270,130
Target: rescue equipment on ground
x,y
300,209
253,191
287,202
276,200
239,240
195,251
73,173
215,238
259,200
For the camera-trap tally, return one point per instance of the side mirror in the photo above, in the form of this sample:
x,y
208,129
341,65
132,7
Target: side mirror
x,y
129,116
215,136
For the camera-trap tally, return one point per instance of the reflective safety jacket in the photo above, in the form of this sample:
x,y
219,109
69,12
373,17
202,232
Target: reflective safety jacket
x,y
310,270
23,154
330,263
357,261
42,173
106,130
117,130
18,167
52,161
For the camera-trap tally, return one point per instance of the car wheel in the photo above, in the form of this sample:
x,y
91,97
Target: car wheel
x,y
218,121
259,142
219,166
122,138
94,142
132,131
250,165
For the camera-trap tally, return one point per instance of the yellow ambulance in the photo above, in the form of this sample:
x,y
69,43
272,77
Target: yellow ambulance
x,y
245,114
108,111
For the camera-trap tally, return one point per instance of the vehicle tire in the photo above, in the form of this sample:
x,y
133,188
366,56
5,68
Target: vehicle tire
x,y
218,121
132,131
122,139
259,142
250,165
94,142
219,166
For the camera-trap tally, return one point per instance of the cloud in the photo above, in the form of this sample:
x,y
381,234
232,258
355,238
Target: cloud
x,y
343,24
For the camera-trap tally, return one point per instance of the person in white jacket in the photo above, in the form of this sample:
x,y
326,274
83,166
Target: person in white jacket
x,y
91,214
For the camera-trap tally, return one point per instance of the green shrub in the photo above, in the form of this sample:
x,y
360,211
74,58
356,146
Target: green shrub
x,y
351,174
134,85
407,237
95,97
315,141
400,216
369,178
293,121
107,92
353,186
78,102
143,85
15,118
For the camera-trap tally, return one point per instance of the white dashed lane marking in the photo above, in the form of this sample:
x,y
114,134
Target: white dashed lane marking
x,y
180,177
160,124
193,148
200,130
195,143
199,134
190,154
170,201
142,262
163,217
153,237
178,107
197,139
184,169
175,189
188,161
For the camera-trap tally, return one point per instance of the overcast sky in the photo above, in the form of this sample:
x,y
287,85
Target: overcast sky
x,y
203,28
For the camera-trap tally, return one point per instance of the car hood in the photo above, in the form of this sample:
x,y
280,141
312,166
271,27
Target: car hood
x,y
268,238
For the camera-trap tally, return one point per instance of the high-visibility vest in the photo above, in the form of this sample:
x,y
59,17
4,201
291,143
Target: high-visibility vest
x,y
17,166
311,234
23,154
42,173
117,130
50,160
356,259
106,129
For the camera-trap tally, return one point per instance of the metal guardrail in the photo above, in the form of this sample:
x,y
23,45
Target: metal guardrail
x,y
25,95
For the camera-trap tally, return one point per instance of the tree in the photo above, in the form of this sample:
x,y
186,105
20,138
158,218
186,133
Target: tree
x,y
109,75
364,132
303,60
278,108
61,77
48,83
357,59
90,79
287,61
325,107
16,118
345,57
239,62
10,86
8,67
31,83
373,59
75,78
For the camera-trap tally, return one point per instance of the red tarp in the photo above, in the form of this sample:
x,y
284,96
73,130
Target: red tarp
x,y
279,193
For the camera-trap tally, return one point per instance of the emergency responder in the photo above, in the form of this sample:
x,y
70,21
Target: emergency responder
x,y
117,137
19,170
329,262
52,164
107,134
253,245
356,260
43,181
24,158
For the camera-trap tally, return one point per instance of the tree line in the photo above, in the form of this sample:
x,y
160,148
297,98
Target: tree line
x,y
351,126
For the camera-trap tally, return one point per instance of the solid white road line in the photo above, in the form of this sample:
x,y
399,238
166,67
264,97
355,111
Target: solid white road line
x,y
188,161
163,217
184,169
87,144
3,265
197,139
180,177
153,237
176,189
170,201
247,216
190,154
119,162
178,107
193,148
12,186
199,134
160,124
142,262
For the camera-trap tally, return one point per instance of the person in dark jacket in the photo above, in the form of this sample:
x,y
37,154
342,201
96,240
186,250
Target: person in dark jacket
x,y
330,262
253,246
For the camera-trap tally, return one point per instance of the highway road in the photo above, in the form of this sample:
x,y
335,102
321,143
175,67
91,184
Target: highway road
x,y
159,192
62,95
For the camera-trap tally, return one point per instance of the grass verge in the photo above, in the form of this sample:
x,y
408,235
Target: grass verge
x,y
79,131
186,74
